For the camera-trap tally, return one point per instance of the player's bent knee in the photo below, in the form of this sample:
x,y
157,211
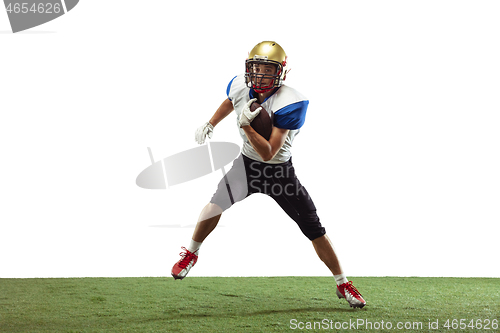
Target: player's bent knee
x,y
214,208
210,210
313,235
317,238
311,227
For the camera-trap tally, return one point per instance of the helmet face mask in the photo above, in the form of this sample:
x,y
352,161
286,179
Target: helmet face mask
x,y
265,67
263,76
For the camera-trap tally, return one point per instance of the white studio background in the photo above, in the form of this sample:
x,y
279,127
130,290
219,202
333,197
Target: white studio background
x,y
400,149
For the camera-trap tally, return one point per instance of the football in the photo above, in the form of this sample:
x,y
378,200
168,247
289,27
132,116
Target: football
x,y
263,123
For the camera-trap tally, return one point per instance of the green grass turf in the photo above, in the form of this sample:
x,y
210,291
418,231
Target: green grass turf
x,y
245,304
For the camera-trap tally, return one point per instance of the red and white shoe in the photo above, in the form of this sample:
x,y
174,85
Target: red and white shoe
x,y
182,267
351,294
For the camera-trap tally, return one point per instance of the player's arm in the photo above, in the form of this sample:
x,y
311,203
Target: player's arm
x,y
266,149
222,112
207,129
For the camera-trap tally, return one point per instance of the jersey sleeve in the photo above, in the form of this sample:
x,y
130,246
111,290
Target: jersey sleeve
x,y
292,116
228,90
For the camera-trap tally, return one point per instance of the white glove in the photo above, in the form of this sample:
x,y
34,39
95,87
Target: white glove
x,y
247,116
202,132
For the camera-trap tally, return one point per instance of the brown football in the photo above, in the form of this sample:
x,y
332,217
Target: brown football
x,y
263,123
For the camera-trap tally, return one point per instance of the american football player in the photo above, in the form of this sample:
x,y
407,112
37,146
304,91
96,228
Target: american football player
x,y
265,166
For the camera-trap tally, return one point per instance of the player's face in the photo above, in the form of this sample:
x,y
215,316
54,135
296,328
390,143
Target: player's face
x,y
261,70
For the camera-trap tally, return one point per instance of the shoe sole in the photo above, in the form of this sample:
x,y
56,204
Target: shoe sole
x,y
177,277
352,306
357,306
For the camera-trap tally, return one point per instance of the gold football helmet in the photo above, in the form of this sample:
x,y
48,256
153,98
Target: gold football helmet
x,y
265,53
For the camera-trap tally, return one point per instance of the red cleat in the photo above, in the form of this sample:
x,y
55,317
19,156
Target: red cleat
x,y
351,294
182,267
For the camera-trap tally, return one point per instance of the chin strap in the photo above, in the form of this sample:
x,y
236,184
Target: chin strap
x,y
260,90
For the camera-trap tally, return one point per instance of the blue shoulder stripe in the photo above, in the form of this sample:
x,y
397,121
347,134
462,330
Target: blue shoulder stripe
x,y
229,87
291,116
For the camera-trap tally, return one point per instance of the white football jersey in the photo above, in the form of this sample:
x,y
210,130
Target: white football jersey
x,y
287,104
